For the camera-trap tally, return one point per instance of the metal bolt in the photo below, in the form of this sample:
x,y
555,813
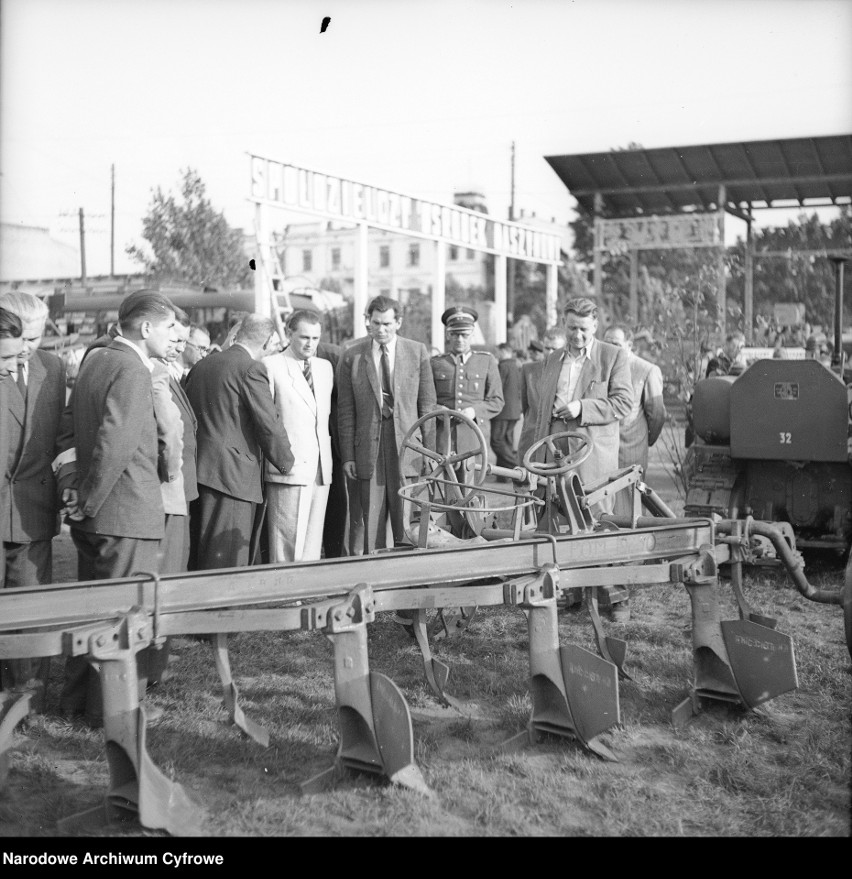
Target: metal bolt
x,y
350,612
100,641
338,615
141,634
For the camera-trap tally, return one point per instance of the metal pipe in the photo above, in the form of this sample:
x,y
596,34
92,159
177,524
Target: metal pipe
x,y
655,504
795,567
837,357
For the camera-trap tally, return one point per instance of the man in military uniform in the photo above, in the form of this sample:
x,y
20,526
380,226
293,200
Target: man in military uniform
x,y
467,381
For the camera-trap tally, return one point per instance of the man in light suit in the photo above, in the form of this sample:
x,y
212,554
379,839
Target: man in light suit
x,y
384,385
584,387
113,500
28,495
237,425
641,427
301,386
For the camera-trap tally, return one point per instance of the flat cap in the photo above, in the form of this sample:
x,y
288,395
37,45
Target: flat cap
x,y
459,317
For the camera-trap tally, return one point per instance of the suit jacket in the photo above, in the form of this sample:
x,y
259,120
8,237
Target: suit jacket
x,y
28,489
237,423
5,423
331,353
641,426
510,378
359,403
115,436
530,373
304,415
190,452
605,394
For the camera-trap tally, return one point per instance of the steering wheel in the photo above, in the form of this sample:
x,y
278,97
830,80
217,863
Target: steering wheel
x,y
444,463
561,462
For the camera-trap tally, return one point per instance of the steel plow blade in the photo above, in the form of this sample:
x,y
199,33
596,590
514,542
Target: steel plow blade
x,y
231,700
163,804
762,660
139,789
394,733
231,695
591,686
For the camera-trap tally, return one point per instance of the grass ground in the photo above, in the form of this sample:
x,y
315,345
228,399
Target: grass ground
x,y
781,771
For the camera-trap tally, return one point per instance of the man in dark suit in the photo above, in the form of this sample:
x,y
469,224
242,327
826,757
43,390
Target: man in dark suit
x,y
584,388
116,507
28,490
504,422
336,511
237,425
384,385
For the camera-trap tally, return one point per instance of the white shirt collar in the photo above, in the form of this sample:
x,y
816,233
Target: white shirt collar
x,y
586,352
149,364
391,346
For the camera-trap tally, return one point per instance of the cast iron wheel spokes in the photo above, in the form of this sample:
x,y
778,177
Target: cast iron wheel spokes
x,y
561,463
447,461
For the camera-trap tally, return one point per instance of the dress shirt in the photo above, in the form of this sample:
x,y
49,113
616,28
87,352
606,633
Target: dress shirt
x,y
569,375
175,368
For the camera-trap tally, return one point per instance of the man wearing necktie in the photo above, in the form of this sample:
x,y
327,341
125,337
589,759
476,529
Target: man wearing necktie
x,y
384,385
467,381
28,491
301,385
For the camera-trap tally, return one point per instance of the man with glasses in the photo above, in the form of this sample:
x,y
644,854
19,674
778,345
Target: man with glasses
x,y
197,347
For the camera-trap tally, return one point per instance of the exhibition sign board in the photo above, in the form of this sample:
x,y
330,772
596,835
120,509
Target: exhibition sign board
x,y
290,186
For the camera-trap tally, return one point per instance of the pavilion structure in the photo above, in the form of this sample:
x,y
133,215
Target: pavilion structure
x,y
670,197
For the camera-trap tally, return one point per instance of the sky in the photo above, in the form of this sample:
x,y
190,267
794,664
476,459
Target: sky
x,y
419,96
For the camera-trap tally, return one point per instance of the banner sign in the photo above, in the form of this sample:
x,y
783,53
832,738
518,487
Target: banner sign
x,y
664,232
301,189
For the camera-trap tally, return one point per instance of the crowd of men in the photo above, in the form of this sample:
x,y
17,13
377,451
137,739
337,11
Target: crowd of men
x,y
168,456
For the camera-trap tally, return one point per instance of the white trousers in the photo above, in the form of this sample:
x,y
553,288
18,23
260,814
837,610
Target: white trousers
x,y
295,515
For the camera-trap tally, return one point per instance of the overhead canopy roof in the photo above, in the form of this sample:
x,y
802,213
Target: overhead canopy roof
x,y
755,174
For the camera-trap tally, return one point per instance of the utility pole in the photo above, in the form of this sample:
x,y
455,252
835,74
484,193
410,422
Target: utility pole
x,y
112,223
82,248
510,264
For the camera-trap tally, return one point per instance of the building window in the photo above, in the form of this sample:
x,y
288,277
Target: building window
x,y
307,260
470,254
414,254
335,258
384,256
454,253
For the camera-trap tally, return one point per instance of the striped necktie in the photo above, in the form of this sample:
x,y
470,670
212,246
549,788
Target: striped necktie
x,y
22,385
387,391
309,378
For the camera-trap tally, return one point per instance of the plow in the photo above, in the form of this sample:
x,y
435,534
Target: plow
x,y
538,547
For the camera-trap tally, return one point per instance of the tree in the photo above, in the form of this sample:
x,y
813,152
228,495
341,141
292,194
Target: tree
x,y
801,277
189,242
